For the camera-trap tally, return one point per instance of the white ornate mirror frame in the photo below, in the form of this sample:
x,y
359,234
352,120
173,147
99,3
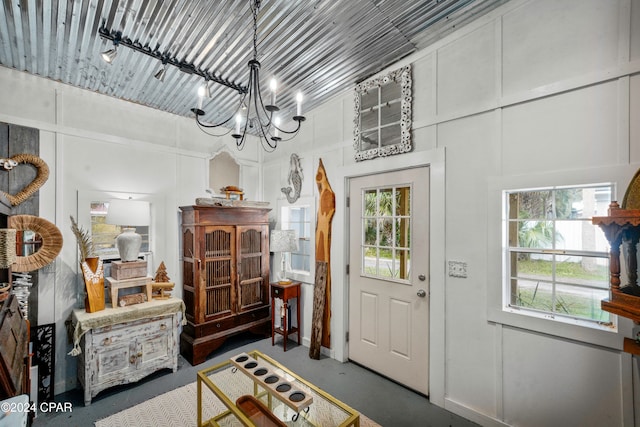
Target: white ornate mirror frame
x,y
382,121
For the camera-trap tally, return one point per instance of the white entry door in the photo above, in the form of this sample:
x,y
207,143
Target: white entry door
x,y
389,275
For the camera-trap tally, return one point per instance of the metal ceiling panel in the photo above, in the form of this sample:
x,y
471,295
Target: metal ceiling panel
x,y
320,47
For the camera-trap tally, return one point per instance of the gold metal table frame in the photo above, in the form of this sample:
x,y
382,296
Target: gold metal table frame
x,y
228,383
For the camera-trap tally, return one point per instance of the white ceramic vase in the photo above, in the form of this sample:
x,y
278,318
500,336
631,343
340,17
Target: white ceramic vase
x,y
128,244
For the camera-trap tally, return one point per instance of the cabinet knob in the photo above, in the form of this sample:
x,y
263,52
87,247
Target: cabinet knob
x,y
163,327
106,341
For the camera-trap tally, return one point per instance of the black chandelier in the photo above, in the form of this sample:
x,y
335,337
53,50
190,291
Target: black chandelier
x,y
251,116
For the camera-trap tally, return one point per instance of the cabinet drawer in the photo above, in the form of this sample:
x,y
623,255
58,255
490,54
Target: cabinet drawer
x,y
125,332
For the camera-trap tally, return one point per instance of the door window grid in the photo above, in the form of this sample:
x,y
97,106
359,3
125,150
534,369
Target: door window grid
x,y
386,233
557,261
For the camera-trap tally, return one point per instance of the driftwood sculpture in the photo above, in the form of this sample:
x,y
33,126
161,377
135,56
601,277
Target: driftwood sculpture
x,y
318,310
326,210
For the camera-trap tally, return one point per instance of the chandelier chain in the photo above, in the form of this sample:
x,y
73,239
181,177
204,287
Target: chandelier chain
x,y
255,29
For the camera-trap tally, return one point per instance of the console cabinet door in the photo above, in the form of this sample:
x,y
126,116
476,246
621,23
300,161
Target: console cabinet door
x,y
218,272
253,266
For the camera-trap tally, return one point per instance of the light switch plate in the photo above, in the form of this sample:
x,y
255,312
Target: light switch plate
x,y
458,269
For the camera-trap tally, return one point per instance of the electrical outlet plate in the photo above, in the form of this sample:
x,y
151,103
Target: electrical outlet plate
x,y
458,269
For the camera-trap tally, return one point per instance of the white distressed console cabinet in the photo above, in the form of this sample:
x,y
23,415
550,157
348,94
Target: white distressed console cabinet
x,y
125,344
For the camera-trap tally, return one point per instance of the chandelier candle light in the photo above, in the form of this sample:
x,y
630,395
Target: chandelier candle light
x,y
252,115
283,241
128,213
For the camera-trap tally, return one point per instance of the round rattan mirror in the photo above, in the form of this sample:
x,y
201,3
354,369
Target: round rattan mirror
x,y
48,236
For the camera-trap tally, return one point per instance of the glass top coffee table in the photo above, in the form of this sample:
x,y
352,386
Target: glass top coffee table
x,y
293,400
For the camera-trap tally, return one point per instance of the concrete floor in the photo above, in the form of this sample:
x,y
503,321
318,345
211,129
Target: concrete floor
x,y
384,401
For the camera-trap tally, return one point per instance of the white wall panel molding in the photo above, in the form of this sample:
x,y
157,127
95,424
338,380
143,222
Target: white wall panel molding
x,y
472,415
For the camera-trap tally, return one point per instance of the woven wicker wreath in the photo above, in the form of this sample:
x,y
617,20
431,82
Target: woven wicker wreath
x,y
51,242
33,186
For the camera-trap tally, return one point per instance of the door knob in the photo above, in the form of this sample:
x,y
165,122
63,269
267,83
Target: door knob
x,y
422,293
422,277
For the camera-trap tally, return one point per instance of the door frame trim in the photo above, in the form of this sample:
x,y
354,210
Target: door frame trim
x,y
435,160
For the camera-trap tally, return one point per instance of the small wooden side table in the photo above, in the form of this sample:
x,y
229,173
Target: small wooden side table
x,y
136,282
285,292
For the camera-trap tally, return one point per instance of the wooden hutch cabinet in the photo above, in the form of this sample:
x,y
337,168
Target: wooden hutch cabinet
x,y
225,253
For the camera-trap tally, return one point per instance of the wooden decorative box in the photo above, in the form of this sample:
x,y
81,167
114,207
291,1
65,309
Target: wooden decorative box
x,y
128,270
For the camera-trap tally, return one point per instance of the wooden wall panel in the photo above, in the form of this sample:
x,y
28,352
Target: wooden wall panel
x,y
14,140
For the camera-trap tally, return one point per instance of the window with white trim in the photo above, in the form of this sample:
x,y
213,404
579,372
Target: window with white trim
x,y
104,235
300,217
556,261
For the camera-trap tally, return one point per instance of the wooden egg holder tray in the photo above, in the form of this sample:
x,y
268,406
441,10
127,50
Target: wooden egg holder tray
x,y
282,389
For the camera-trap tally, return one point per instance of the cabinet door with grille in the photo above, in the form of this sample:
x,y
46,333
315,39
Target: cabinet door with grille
x,y
217,276
253,265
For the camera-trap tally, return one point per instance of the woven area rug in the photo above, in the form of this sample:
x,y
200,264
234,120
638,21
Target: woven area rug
x,y
178,408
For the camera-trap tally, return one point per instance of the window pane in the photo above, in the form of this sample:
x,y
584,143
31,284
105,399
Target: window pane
x,y
370,231
590,202
530,204
385,229
370,200
300,262
532,294
581,302
531,265
536,234
589,271
403,201
304,246
403,236
385,199
369,261
402,264
580,235
564,202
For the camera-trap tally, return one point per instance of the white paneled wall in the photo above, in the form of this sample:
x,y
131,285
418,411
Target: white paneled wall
x,y
537,92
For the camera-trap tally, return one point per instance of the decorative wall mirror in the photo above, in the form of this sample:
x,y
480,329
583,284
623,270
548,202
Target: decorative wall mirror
x,y
39,242
382,122
224,170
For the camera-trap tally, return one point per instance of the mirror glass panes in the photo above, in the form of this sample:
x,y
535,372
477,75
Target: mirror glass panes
x,y
104,235
386,233
383,115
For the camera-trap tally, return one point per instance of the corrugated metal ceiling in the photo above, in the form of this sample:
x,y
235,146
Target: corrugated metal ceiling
x,y
320,47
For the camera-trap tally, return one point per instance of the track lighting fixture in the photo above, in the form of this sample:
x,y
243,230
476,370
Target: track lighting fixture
x,y
161,73
110,54
251,116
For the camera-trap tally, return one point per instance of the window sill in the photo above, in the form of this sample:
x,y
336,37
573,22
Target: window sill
x,y
571,329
